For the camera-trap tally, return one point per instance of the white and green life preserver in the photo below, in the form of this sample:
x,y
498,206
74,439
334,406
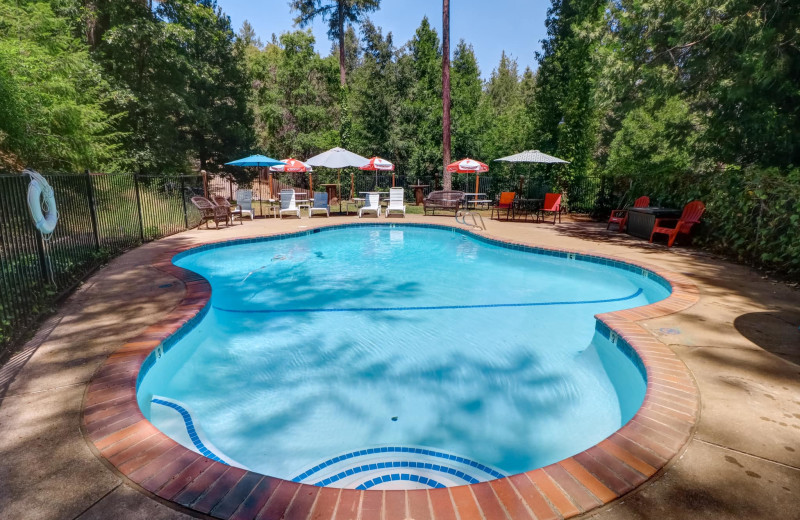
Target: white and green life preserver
x,y
41,203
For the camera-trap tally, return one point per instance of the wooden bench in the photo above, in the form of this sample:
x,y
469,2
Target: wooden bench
x,y
449,200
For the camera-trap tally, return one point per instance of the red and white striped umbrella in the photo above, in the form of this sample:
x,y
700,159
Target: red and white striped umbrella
x,y
376,163
292,166
469,166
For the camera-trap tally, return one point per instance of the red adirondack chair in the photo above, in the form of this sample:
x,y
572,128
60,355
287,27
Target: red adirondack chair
x,y
552,204
690,216
506,203
620,216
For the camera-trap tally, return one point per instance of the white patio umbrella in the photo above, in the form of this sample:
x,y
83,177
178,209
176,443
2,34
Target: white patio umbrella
x,y
338,158
531,156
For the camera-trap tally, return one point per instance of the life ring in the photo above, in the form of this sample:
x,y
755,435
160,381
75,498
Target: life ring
x,y
43,212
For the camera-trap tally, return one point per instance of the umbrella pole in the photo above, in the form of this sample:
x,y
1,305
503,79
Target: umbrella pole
x,y
477,178
393,180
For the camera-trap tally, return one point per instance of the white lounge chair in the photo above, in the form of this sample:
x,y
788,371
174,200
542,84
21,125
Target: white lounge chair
x,y
288,204
320,205
244,201
372,203
396,201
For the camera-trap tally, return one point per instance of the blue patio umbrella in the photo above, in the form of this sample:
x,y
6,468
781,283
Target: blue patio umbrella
x,y
261,161
255,160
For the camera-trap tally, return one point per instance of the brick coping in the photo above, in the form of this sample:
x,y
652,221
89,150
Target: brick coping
x,y
116,427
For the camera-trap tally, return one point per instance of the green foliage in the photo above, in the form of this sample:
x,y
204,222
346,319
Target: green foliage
x,y
295,97
51,93
338,14
699,102
755,215
181,82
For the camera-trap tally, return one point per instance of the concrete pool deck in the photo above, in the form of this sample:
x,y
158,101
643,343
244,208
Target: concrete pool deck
x,y
740,341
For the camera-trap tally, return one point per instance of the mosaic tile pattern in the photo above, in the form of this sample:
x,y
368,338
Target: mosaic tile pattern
x,y
190,429
657,433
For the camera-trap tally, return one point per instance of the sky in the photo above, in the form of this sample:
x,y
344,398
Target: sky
x,y
491,26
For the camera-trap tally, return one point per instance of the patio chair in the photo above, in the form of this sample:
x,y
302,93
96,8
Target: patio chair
x,y
690,216
209,211
396,202
222,202
620,216
373,203
506,203
244,202
552,204
288,203
320,205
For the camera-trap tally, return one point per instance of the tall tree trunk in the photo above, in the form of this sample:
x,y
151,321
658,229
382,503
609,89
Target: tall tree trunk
x,y
447,178
342,79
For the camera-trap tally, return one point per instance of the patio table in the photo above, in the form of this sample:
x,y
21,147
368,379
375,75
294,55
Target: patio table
x,y
642,220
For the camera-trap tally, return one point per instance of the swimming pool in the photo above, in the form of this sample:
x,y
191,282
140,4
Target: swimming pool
x,y
397,347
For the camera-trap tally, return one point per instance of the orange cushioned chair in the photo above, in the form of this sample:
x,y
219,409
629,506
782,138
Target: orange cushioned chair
x,y
620,216
690,216
552,204
506,203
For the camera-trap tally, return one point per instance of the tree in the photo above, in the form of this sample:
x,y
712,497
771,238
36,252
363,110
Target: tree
x,y
564,115
294,96
467,92
337,13
374,95
421,111
448,182
179,78
51,93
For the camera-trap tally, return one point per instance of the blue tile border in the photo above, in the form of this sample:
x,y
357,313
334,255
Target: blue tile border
x,y
190,429
400,476
399,449
623,346
469,479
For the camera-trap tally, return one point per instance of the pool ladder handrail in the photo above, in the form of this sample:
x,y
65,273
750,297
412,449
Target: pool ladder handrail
x,y
463,213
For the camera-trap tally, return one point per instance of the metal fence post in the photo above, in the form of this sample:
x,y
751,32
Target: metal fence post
x,y
92,209
183,199
139,206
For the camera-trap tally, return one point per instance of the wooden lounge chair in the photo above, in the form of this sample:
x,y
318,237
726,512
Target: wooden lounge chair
x,y
396,202
320,205
288,203
552,204
372,203
690,216
222,202
620,216
209,211
506,203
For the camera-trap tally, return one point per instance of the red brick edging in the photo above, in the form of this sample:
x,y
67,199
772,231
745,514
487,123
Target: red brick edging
x,y
626,459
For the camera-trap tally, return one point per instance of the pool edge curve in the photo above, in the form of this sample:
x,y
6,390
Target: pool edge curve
x,y
658,432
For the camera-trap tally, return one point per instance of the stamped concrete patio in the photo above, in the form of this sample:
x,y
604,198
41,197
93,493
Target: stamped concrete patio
x,y
740,341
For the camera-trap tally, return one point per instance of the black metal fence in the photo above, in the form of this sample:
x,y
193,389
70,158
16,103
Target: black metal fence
x,y
100,215
583,194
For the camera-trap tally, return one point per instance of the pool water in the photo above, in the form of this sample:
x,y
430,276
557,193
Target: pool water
x,y
400,347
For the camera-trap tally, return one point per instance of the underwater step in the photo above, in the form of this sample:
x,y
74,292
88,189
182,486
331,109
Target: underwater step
x,y
397,467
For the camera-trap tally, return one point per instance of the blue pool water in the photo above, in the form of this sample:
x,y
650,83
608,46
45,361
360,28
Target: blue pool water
x,y
351,356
